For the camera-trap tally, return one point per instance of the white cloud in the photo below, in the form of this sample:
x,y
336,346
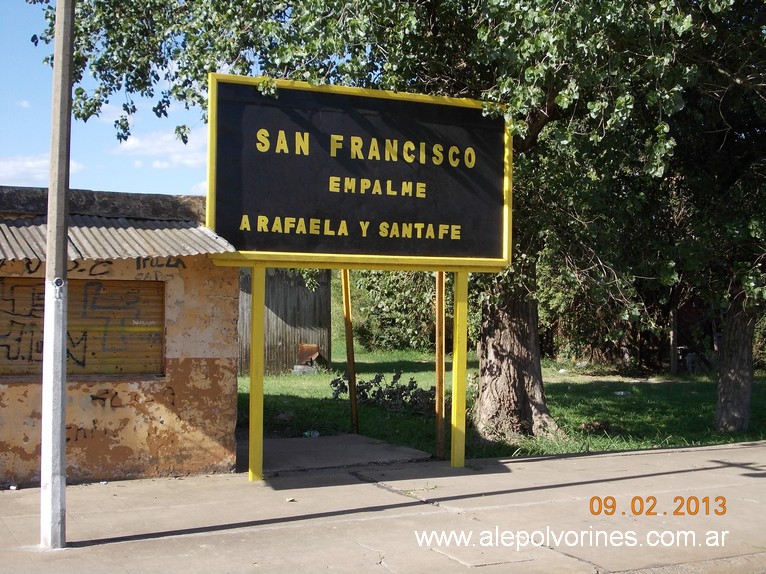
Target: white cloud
x,y
24,170
24,104
165,150
30,170
199,188
109,114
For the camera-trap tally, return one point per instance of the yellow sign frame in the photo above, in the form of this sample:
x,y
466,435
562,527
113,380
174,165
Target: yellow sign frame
x,y
259,260
358,261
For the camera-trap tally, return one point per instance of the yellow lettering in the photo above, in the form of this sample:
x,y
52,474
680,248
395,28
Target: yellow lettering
x,y
374,151
408,151
389,187
469,157
392,150
263,142
336,143
438,156
301,143
262,135
409,230
281,145
329,227
356,147
452,156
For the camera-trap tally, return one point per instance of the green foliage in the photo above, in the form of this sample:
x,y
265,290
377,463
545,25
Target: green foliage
x,y
597,412
722,142
639,130
398,309
394,396
759,344
541,60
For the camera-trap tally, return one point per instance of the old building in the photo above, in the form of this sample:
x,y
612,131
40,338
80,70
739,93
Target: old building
x,y
151,337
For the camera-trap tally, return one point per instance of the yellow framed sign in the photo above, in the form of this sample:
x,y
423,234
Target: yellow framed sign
x,y
329,176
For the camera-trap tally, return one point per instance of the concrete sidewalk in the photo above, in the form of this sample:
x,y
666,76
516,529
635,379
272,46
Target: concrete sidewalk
x,y
373,517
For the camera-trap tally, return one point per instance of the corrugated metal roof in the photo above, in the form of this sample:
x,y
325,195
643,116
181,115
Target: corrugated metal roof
x,y
93,237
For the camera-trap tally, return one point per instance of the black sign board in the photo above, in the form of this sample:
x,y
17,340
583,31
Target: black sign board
x,y
318,174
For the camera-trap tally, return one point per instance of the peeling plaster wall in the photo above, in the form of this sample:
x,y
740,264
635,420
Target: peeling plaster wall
x,y
121,427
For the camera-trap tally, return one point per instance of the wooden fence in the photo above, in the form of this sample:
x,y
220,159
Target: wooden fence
x,y
294,315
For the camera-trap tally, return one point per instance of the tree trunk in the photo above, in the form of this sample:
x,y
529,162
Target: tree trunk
x,y
673,341
735,374
511,398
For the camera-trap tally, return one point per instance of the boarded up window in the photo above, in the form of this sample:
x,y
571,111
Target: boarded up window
x,y
113,327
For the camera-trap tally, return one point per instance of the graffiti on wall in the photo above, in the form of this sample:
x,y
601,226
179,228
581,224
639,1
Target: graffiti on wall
x,y
96,268
148,268
154,268
108,397
77,433
111,399
106,320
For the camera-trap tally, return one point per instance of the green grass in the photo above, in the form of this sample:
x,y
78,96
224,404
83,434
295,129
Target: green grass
x,y
294,405
640,414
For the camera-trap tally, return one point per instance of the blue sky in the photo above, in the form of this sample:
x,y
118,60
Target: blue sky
x,y
151,161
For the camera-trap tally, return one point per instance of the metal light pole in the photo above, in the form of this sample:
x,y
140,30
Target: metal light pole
x,y
53,439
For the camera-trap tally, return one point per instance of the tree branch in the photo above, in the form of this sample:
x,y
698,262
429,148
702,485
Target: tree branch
x,y
536,122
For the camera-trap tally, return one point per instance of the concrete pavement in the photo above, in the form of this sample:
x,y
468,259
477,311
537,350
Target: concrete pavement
x,y
664,511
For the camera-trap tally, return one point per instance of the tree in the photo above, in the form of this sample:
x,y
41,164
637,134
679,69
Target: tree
x,y
592,85
693,72
720,168
396,309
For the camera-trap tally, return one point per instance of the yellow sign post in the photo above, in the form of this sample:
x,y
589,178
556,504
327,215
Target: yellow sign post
x,y
257,345
337,177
